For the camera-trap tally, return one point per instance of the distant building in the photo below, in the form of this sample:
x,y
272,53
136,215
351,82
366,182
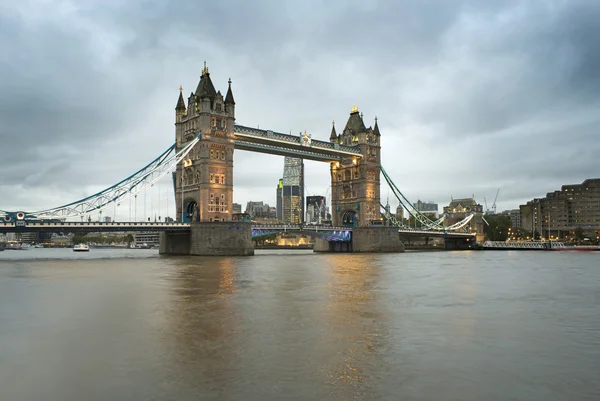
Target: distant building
x,y
459,209
426,206
292,192
150,238
236,208
399,213
279,197
260,210
107,219
561,212
515,217
316,209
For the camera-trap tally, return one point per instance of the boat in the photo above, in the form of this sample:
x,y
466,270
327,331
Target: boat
x,y
14,246
81,248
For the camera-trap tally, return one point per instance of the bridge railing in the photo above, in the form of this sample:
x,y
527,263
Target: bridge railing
x,y
95,224
523,245
298,227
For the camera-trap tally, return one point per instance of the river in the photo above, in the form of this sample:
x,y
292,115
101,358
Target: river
x,y
292,325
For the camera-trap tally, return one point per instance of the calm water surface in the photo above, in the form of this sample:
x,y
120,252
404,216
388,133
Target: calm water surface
x,y
131,325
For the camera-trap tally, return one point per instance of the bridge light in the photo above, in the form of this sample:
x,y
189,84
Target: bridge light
x,y
354,161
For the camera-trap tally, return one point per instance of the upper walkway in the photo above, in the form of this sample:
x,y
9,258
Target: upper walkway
x,y
264,141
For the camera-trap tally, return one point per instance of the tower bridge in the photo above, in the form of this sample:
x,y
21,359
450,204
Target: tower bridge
x,y
201,165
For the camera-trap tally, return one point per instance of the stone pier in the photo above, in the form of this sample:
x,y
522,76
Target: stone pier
x,y
364,239
209,239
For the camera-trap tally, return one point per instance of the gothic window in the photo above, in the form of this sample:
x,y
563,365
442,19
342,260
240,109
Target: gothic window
x,y
214,122
212,180
222,179
347,175
222,155
371,175
212,154
356,173
219,106
189,177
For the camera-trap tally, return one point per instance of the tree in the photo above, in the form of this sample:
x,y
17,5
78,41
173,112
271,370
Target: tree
x,y
129,239
579,234
497,230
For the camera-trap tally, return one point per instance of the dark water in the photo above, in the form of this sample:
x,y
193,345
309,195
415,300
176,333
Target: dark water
x,y
130,325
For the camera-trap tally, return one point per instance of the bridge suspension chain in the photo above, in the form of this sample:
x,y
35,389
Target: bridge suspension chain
x,y
416,214
128,188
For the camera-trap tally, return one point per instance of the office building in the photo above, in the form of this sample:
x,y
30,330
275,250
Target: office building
x,y
316,209
292,192
561,212
426,206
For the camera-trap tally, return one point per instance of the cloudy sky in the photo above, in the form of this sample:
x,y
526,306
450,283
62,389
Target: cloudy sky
x,y
471,96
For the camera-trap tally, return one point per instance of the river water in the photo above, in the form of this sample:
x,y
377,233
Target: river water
x,y
293,325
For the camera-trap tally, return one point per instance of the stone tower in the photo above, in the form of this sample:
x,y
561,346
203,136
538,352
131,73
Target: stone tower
x,y
204,181
355,200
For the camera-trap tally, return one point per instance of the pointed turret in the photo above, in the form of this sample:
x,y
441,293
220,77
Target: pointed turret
x,y
205,88
229,96
333,136
180,102
376,128
355,123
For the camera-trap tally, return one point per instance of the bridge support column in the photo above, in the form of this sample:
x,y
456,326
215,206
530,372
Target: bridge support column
x,y
174,243
221,239
376,240
209,239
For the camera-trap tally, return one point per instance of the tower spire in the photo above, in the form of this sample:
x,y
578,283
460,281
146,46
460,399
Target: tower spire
x,y
333,136
229,95
180,102
376,128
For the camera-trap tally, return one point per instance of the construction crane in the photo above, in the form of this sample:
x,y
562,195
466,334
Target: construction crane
x,y
487,209
495,199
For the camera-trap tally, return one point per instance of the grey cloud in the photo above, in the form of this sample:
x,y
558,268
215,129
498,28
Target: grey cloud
x,y
87,94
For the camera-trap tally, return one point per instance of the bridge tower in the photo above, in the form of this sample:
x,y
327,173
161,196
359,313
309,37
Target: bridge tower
x,y
204,181
355,198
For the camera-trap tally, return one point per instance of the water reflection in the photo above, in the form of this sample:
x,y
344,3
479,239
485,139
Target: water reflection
x,y
357,329
202,324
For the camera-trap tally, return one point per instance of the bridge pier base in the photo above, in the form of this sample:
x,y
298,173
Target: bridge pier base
x,y
376,240
364,239
174,243
322,245
210,239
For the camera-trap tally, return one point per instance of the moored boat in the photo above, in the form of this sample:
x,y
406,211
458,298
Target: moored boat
x,y
81,248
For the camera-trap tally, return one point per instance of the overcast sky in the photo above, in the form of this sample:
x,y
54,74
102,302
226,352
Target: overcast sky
x,y
471,96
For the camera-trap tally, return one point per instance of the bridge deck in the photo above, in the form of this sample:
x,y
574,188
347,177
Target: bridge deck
x,y
159,226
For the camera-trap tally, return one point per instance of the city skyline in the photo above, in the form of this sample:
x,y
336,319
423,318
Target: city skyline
x,y
471,98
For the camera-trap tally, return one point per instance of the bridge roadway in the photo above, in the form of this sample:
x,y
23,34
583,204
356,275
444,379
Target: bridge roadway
x,y
87,227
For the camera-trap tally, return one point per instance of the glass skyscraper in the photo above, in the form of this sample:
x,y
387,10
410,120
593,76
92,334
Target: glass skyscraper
x,y
292,191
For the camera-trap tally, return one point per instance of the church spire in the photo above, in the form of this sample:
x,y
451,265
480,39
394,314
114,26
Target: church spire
x,y
229,96
333,136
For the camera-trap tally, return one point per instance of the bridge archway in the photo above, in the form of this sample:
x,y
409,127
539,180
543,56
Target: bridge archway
x,y
190,209
349,218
